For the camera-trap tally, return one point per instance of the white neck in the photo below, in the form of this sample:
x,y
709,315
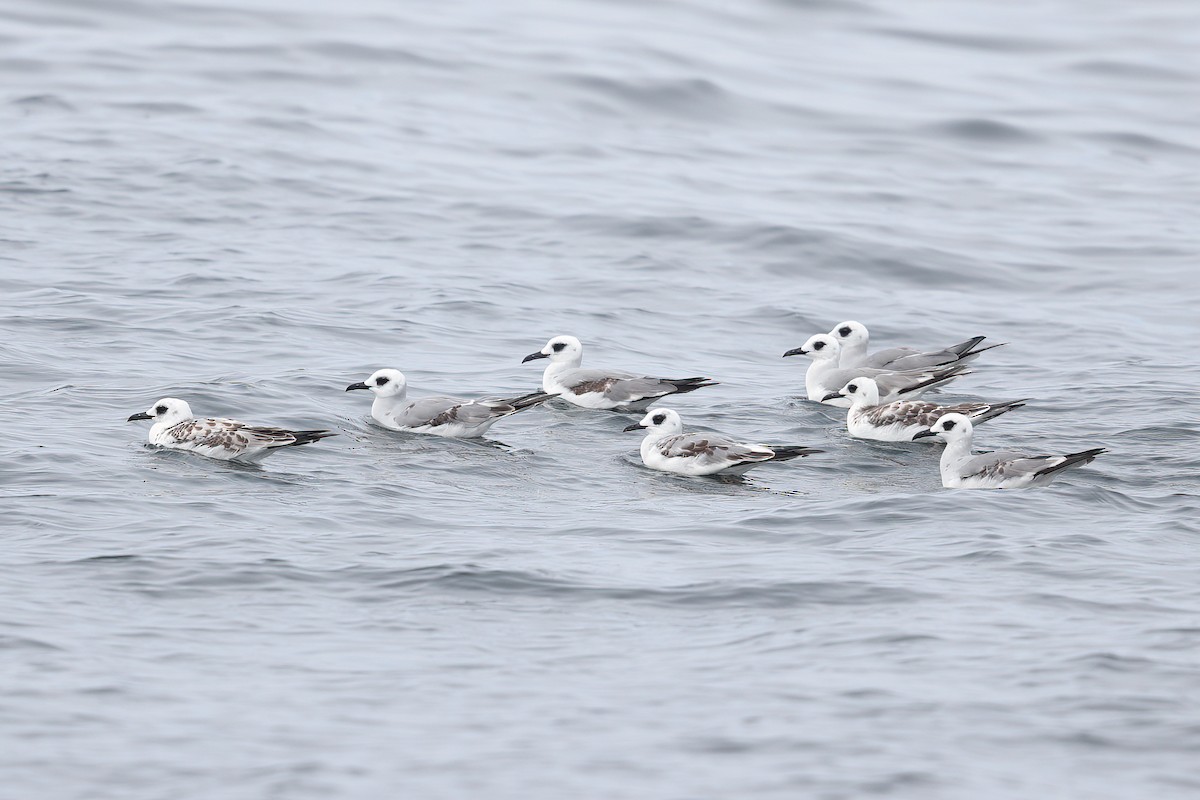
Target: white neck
x,y
852,354
385,407
653,438
556,368
955,451
865,399
816,371
161,427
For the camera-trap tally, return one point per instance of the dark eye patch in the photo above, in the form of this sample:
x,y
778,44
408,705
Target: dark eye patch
x,y
160,409
844,331
557,347
948,425
380,381
659,419
852,388
818,345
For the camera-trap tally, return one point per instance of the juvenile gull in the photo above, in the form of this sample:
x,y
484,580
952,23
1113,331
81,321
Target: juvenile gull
x,y
901,421
225,439
824,379
999,470
603,389
667,448
854,339
441,416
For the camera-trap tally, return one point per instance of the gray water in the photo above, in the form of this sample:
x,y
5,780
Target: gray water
x,y
250,205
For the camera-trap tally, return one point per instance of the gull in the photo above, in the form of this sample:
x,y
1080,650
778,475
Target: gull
x,y
441,416
224,439
901,421
667,448
999,470
854,339
603,389
824,380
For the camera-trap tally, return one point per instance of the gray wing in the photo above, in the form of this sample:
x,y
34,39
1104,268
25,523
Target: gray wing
x,y
913,380
884,358
902,358
445,410
616,386
711,448
835,379
915,360
1001,465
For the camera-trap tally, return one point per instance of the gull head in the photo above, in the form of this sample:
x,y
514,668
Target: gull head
x,y
167,411
383,382
861,391
664,421
820,347
560,349
951,427
851,334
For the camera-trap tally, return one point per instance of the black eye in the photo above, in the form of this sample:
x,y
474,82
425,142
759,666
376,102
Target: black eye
x,y
557,347
160,409
818,345
659,419
844,331
948,425
852,388
380,381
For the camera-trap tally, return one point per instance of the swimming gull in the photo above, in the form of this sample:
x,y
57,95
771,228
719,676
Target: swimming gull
x,y
668,449
824,379
603,389
854,339
224,439
900,421
999,470
440,416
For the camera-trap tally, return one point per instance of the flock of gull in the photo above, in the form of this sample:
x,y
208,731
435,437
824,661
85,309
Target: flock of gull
x,y
879,390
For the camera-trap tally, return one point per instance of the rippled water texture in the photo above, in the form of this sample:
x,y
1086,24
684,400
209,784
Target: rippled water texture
x,y
250,205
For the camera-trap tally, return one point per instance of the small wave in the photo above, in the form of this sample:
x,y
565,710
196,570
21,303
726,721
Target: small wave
x,y
968,41
686,97
1130,70
984,130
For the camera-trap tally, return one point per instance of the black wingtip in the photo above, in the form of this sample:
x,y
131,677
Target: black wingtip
x,y
788,452
308,437
530,400
1073,459
683,385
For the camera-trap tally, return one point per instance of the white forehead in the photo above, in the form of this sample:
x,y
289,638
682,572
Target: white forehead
x,y
850,328
391,374
660,416
570,341
821,337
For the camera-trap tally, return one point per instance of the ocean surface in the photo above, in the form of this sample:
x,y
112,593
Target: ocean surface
x,y
252,204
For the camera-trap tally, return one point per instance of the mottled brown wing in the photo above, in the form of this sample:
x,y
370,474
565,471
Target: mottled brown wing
x,y
909,413
709,448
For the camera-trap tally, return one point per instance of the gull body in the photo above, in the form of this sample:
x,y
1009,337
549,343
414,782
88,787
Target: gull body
x,y
175,428
855,340
824,379
439,416
900,421
668,449
603,389
961,469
